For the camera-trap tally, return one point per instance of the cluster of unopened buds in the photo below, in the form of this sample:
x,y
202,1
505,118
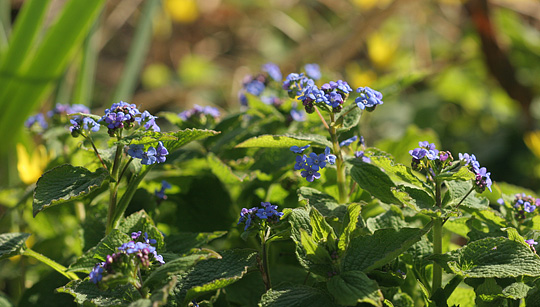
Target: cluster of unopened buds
x,y
138,250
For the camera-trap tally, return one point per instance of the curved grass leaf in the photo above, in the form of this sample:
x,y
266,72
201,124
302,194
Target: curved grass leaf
x,y
296,296
491,258
373,251
64,183
12,243
352,287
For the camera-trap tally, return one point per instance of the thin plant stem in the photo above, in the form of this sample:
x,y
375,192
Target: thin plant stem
x,y
96,151
322,118
460,202
125,168
53,264
437,240
265,268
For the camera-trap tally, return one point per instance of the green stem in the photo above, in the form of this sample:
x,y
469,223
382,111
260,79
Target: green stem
x,y
460,202
437,250
265,269
113,189
437,239
53,264
340,165
128,195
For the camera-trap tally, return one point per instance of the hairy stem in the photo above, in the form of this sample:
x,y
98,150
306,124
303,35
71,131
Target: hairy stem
x,y
340,165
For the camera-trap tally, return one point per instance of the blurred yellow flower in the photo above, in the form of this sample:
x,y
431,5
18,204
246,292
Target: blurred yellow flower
x,y
358,77
369,4
30,167
183,11
532,140
381,49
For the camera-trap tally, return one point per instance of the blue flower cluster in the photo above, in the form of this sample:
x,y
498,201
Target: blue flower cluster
x,y
198,111
268,212
310,165
139,248
79,123
368,99
531,243
525,204
123,115
55,114
151,155
483,179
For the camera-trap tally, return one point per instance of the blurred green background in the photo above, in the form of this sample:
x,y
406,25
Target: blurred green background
x,y
468,70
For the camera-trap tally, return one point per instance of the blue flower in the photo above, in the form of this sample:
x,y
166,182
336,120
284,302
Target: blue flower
x,y
426,150
531,242
161,152
361,155
315,161
348,141
298,115
273,71
161,193
310,174
149,121
339,86
313,71
330,158
96,275
297,149
368,98
136,151
528,207
38,118
246,216
255,87
300,162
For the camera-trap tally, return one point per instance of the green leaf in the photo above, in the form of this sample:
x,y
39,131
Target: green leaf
x,y
174,267
417,199
98,253
491,258
296,296
285,141
321,231
171,140
349,222
373,180
373,251
352,287
458,190
350,120
212,274
64,183
12,243
326,204
314,251
140,221
462,174
398,172
86,292
392,218
222,170
183,242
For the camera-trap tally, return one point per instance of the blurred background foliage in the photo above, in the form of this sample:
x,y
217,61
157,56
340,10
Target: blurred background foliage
x,y
464,73
466,69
